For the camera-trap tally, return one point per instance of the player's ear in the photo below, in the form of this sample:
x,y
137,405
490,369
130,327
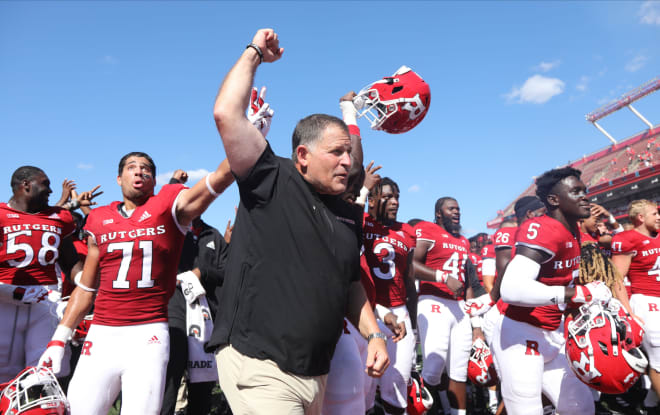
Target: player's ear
x,y
119,180
553,200
25,184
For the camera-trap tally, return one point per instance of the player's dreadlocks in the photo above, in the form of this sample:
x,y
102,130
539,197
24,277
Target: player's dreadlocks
x,y
549,179
596,266
385,181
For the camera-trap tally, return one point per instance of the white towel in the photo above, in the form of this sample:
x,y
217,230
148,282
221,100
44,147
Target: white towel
x,y
190,286
201,365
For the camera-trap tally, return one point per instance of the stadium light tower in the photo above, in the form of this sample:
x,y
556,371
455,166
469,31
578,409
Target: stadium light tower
x,y
625,100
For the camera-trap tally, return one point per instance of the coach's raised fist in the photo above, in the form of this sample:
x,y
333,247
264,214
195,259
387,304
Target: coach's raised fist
x,y
269,44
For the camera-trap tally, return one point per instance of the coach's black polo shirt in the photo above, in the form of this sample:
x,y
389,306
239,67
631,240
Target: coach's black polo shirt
x,y
292,257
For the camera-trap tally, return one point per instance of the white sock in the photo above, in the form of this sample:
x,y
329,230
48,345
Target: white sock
x,y
458,411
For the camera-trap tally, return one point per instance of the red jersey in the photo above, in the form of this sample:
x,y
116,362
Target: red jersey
x,y
585,237
30,244
488,251
138,258
487,254
81,249
386,250
550,236
505,237
644,271
367,281
447,253
476,261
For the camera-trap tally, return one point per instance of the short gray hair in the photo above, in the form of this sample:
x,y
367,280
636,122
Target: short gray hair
x,y
309,130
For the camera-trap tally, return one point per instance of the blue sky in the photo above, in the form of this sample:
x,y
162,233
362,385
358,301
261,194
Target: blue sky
x,y
82,83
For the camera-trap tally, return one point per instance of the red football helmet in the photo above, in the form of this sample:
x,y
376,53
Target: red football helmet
x,y
419,398
34,391
80,333
481,369
395,104
603,347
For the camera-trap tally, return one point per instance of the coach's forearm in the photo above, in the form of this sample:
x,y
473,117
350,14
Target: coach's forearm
x,y
360,313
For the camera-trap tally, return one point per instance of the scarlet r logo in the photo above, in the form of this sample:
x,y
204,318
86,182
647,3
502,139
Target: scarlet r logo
x,y
653,307
86,349
532,348
435,308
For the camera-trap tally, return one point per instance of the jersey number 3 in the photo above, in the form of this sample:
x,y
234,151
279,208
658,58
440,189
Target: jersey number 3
x,y
121,282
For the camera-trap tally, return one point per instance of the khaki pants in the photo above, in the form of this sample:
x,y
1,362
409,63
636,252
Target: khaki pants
x,y
254,386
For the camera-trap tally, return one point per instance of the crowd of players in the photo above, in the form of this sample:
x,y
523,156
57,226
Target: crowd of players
x,y
486,311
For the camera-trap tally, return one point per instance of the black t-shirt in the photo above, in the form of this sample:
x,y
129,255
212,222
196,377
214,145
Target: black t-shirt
x,y
208,252
292,258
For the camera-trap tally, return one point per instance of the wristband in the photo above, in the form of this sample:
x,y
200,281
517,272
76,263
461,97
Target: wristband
x,y
209,188
258,50
75,204
55,343
354,130
62,335
377,335
77,277
441,276
85,288
612,220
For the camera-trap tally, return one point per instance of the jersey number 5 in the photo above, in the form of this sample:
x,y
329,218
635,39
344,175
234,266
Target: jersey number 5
x,y
533,230
121,281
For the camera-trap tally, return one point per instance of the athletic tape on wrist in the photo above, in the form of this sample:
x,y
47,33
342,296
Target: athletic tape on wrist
x,y
349,113
441,276
476,322
62,334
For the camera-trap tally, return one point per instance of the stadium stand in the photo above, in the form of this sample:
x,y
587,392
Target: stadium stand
x,y
614,175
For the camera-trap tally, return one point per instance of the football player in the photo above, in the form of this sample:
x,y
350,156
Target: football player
x,y
445,331
387,248
538,286
35,238
636,253
347,384
133,250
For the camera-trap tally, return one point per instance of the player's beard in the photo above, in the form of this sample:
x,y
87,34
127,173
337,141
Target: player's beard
x,y
451,227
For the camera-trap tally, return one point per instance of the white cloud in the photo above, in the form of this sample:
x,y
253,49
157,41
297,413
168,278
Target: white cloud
x,y
193,176
109,60
547,66
636,64
538,89
84,166
414,188
582,85
649,13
